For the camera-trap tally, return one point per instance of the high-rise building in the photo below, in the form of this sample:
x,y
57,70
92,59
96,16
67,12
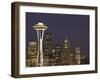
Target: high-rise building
x,y
84,59
66,43
72,56
31,54
47,49
47,43
67,54
57,54
78,56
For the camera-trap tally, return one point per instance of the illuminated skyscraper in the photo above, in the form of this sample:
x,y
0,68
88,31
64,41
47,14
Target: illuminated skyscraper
x,y
66,44
72,56
31,54
40,27
66,59
78,56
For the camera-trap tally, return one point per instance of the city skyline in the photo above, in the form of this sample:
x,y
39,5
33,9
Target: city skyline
x,y
61,26
54,55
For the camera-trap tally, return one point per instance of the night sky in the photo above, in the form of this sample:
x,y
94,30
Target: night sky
x,y
74,27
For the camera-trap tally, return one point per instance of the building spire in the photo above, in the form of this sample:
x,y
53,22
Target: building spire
x,y
66,43
66,40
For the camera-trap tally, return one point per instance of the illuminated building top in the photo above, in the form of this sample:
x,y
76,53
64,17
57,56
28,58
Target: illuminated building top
x,y
66,43
78,50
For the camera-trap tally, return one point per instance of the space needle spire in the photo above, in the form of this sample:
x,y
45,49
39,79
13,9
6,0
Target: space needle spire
x,y
40,27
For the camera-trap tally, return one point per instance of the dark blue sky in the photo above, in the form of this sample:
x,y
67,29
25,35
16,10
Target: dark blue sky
x,y
74,27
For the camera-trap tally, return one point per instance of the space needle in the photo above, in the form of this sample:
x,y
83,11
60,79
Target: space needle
x,y
40,28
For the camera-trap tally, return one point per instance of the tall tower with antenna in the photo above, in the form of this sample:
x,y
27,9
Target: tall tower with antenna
x,y
40,28
66,43
66,53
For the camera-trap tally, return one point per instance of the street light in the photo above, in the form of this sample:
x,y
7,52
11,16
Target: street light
x,y
40,27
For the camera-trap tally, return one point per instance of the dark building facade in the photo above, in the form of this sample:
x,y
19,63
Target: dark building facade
x,y
84,59
47,49
57,54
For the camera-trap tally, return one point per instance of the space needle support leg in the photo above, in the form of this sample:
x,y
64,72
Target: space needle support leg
x,y
37,62
41,47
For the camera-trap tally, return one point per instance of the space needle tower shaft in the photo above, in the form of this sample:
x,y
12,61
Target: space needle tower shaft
x,y
40,28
